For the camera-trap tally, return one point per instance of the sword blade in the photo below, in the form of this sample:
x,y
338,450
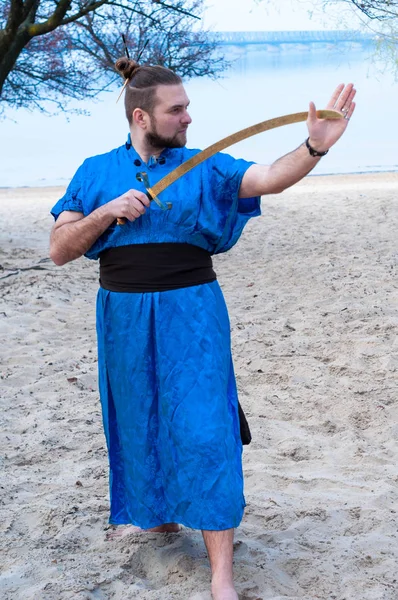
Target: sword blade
x,y
230,140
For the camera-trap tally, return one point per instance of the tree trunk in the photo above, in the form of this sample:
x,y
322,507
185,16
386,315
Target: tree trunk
x,y
15,36
11,47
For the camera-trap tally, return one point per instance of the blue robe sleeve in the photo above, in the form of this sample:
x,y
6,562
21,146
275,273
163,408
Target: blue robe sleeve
x,y
72,200
226,177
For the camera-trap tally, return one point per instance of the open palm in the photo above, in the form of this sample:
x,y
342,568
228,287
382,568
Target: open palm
x,y
324,133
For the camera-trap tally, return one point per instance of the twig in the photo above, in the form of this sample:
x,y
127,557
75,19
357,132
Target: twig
x,y
33,268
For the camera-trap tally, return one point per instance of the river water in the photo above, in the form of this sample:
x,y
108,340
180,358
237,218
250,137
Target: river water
x,y
264,82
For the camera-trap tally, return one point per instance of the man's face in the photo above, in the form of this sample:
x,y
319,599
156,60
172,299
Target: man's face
x,y
170,119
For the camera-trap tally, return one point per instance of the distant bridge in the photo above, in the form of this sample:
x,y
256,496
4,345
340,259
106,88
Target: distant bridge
x,y
245,38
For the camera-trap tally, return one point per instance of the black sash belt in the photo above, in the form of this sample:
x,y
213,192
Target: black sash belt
x,y
154,267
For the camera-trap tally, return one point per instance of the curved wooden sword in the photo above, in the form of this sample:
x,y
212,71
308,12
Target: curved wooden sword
x,y
243,134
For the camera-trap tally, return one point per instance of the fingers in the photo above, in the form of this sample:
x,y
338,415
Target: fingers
x,y
344,101
143,198
132,205
136,212
336,94
349,105
342,98
350,97
312,112
137,201
351,110
137,206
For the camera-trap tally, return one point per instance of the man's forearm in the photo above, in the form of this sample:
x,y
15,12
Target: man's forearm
x,y
289,169
260,180
71,240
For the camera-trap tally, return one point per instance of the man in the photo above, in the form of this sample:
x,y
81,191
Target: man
x,y
166,377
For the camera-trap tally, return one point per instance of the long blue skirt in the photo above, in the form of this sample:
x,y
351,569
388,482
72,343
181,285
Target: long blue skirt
x,y
170,408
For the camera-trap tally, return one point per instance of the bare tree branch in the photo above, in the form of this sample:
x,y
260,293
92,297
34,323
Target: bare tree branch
x,y
377,9
58,17
184,12
58,50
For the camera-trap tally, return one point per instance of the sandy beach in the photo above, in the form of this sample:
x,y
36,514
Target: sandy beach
x,y
312,289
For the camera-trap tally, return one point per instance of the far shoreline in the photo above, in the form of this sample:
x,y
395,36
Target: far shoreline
x,y
310,175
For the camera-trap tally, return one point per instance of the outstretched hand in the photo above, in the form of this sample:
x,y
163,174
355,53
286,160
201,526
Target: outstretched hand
x,y
324,133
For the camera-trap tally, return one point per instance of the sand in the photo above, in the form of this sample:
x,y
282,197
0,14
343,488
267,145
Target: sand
x,y
312,290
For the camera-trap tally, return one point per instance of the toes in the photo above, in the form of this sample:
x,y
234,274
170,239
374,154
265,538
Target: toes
x,y
119,532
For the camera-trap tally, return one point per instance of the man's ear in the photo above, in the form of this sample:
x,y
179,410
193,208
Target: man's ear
x,y
140,118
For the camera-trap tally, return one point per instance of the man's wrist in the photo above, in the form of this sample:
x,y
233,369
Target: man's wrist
x,y
106,212
315,149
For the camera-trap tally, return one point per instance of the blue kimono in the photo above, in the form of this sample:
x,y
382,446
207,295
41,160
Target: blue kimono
x,y
166,379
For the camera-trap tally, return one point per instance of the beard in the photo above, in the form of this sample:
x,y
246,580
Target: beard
x,y
156,140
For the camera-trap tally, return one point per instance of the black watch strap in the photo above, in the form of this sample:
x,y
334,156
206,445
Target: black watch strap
x,y
312,151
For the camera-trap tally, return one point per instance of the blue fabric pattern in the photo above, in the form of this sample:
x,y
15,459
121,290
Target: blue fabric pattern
x,y
167,385
206,210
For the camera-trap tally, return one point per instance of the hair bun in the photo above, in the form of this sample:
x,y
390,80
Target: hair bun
x,y
127,67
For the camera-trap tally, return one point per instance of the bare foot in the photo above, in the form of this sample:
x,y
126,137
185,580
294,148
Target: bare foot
x,y
120,531
166,528
117,532
223,591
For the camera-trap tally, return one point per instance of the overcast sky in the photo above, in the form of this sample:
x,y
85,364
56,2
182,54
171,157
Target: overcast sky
x,y
277,15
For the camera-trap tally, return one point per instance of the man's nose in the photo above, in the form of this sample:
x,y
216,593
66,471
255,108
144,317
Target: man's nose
x,y
186,119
